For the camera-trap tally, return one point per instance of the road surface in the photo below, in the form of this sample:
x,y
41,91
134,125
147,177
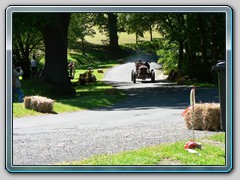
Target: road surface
x,y
150,115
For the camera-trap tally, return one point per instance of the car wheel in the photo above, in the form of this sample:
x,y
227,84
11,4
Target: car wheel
x,y
153,76
132,74
134,78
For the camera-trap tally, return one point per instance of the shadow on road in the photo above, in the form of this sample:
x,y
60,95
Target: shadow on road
x,y
160,95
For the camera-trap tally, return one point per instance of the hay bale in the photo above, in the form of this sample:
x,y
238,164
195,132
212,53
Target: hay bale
x,y
27,102
100,70
34,102
197,115
211,117
206,116
45,106
40,104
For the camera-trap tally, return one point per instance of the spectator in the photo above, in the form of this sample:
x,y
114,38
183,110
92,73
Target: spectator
x,y
138,64
33,66
17,71
89,76
71,67
147,64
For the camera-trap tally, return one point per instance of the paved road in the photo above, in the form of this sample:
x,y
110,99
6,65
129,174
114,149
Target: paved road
x,y
150,115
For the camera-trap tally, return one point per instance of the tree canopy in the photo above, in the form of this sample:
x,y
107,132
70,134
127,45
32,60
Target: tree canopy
x,y
190,43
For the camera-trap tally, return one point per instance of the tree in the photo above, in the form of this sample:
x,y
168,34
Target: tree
x,y
112,31
81,25
107,22
55,31
172,26
138,23
131,23
196,36
26,39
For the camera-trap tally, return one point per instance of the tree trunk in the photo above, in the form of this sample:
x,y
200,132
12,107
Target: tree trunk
x,y
83,46
136,37
206,76
55,69
113,36
151,33
180,58
214,37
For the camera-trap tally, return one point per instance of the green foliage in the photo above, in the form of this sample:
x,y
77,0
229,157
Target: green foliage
x,y
168,55
172,152
26,40
81,25
137,23
199,42
190,42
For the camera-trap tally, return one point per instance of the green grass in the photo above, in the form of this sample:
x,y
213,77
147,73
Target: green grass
x,y
217,137
205,84
124,38
172,152
87,97
202,84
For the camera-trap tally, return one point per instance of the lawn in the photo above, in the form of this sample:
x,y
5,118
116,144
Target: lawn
x,y
124,38
212,153
87,97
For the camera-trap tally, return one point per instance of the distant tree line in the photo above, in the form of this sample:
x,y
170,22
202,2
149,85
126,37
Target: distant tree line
x,y
190,43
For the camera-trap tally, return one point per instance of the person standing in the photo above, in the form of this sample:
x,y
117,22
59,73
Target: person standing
x,y
17,88
33,66
71,67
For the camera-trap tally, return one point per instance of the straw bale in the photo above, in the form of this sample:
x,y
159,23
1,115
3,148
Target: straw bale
x,y
40,104
100,70
197,115
34,102
211,117
27,102
45,106
206,117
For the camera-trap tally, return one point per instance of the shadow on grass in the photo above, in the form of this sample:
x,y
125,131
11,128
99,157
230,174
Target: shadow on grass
x,y
97,54
90,96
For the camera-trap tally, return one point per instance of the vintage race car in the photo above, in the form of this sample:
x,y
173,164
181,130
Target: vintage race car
x,y
143,72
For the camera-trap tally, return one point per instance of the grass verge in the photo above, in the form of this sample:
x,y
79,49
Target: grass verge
x,y
170,153
94,95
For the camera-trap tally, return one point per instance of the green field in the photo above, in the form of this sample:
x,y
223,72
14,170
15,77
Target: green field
x,y
124,38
